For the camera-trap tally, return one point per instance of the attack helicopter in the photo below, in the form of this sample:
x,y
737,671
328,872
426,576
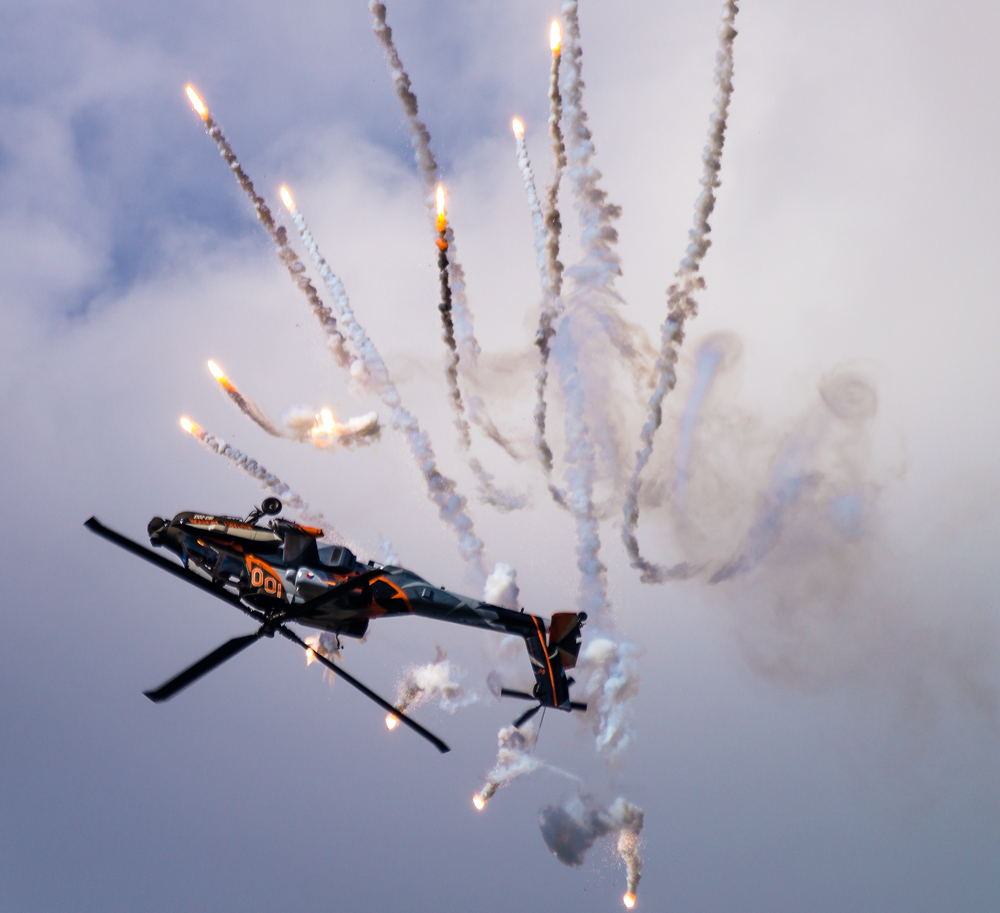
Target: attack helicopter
x,y
278,573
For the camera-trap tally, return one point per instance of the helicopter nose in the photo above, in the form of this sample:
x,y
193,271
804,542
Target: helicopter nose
x,y
155,527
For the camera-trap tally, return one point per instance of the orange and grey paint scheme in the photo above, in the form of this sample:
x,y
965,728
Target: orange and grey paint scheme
x,y
280,573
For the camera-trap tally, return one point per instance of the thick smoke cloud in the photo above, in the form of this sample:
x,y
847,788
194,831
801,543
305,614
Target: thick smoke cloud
x,y
571,829
681,303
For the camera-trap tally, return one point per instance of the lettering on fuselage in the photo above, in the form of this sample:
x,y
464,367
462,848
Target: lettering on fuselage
x,y
263,576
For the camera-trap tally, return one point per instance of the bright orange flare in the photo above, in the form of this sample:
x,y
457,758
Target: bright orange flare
x,y
518,127
442,220
286,198
391,722
189,426
555,37
217,372
629,900
310,656
197,103
479,802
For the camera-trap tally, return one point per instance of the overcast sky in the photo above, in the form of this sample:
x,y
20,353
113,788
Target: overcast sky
x,y
819,732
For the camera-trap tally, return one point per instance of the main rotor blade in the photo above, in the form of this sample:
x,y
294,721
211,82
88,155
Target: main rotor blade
x,y
204,665
367,692
527,715
95,526
334,593
523,695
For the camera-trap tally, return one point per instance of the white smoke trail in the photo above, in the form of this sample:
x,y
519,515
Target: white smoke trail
x,y
514,759
551,281
439,680
613,681
580,475
710,357
553,221
571,829
296,269
600,264
247,406
681,303
420,139
267,480
441,490
488,492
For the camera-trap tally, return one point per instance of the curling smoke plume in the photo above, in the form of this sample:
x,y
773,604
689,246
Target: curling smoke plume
x,y
613,681
711,355
600,264
248,407
267,480
552,306
420,139
441,490
593,279
296,269
553,221
571,829
335,289
488,492
681,303
447,324
580,474
514,759
551,302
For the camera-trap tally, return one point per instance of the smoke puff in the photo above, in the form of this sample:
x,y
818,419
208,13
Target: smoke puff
x,y
501,587
613,681
571,829
570,837
299,419
436,680
849,396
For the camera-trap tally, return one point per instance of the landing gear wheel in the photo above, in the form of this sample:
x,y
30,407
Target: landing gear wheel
x,y
271,506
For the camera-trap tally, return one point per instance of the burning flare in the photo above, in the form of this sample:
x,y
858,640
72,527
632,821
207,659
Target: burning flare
x,y
196,102
391,721
479,802
555,37
442,221
518,127
217,372
286,198
629,900
189,426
